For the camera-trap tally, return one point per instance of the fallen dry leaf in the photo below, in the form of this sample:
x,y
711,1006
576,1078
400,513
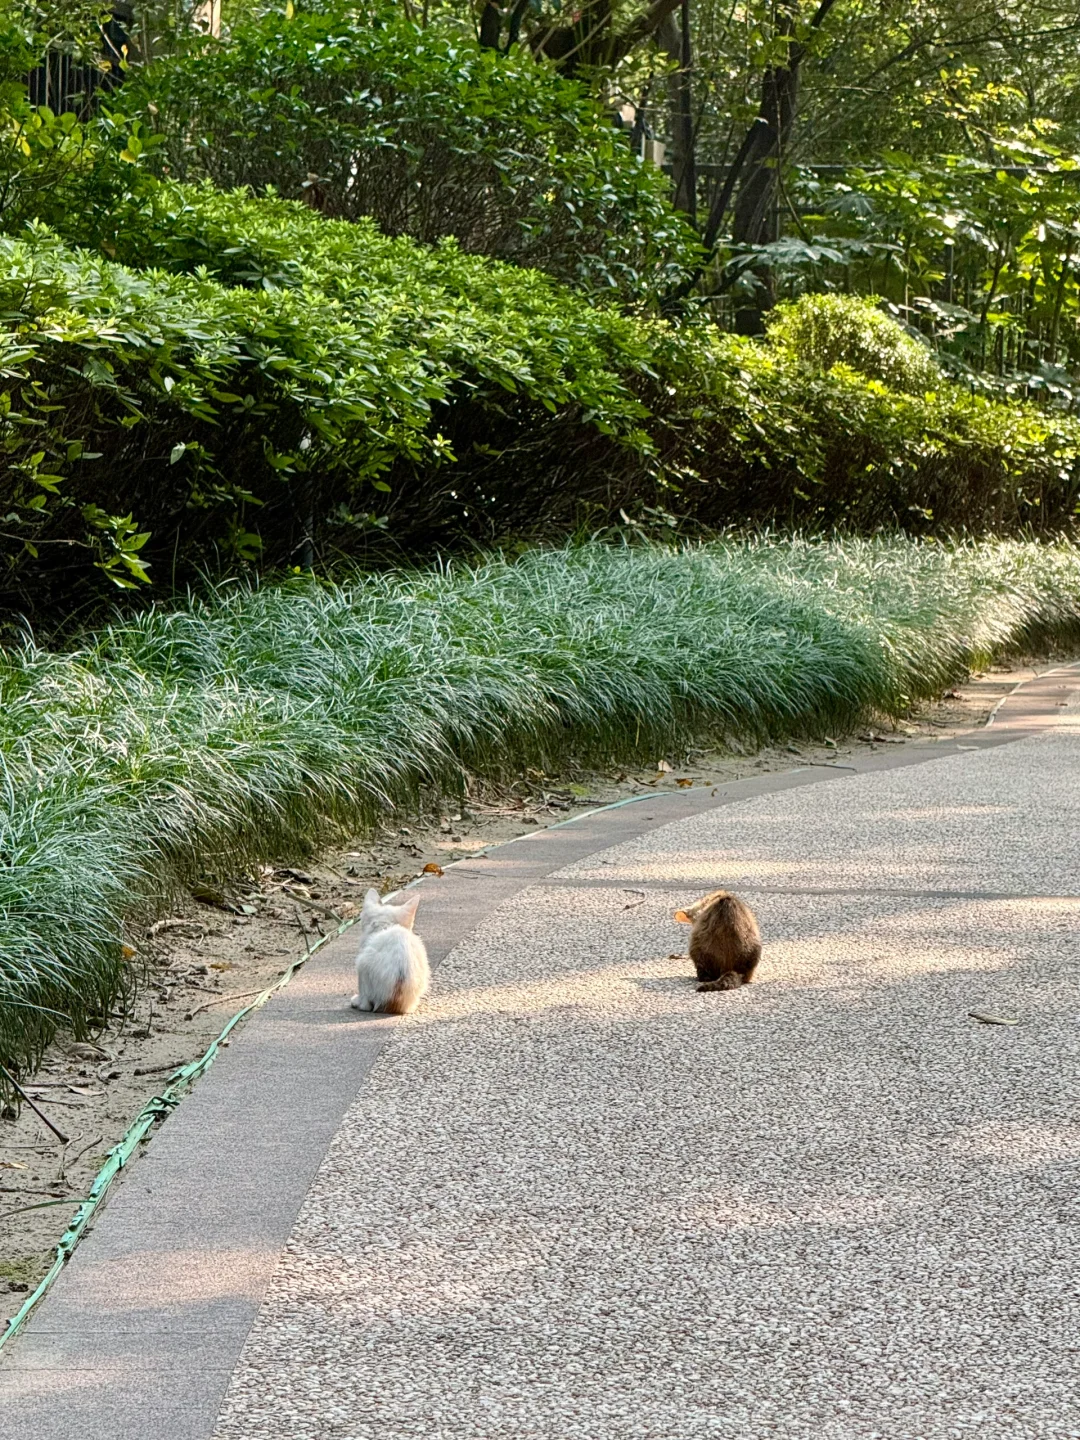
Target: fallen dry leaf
x,y
432,869
684,782
82,1050
663,768
986,1019
300,876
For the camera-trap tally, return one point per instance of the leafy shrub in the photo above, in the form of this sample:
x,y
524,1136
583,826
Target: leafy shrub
x,y
826,330
254,723
138,400
52,162
749,433
263,386
361,113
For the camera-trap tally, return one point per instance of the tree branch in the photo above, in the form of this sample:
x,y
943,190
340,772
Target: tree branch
x,y
643,27
720,204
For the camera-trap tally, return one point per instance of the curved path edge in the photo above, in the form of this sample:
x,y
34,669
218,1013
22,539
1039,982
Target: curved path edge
x,y
140,1335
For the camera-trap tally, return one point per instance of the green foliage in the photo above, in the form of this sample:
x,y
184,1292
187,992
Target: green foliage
x,y
205,412
932,160
258,385
261,720
63,165
982,258
752,432
27,27
361,113
826,330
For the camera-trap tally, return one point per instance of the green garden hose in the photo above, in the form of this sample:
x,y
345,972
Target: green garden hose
x,y
155,1109
181,1080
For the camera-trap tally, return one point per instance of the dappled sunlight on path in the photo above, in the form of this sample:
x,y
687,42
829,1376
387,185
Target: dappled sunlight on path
x,y
577,1198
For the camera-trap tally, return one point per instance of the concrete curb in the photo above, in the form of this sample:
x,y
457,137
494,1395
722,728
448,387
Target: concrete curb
x,y
141,1333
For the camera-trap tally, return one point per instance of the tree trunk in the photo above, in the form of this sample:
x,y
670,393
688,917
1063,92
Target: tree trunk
x,y
491,19
756,216
685,172
757,208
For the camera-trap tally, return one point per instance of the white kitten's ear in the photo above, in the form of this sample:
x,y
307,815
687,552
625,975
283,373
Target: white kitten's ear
x,y
406,912
371,899
682,916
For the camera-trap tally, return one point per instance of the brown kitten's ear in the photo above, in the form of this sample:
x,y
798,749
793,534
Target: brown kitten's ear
x,y
683,917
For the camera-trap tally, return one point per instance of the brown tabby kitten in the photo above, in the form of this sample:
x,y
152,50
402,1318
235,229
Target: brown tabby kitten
x,y
725,943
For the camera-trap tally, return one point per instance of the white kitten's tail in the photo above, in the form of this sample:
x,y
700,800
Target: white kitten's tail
x,y
412,983
401,1000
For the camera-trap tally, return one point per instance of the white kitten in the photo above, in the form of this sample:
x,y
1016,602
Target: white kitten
x,y
392,972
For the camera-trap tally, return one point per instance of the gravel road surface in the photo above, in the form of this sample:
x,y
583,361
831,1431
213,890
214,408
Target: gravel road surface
x,y
575,1198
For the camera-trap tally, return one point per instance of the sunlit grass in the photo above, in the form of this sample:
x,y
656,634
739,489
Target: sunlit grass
x,y
259,721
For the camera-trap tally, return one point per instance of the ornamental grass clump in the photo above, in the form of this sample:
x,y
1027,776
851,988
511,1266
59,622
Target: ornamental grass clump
x,y
254,722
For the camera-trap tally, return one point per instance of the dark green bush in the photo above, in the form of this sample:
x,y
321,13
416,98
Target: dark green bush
x,y
257,385
361,113
225,417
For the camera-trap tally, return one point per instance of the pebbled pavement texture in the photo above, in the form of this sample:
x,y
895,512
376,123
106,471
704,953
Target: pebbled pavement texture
x,y
573,1197
577,1198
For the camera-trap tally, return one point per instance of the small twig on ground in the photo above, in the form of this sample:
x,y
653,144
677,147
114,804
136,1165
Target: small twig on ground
x,y
88,1146
207,1005
316,905
26,1190
41,1205
60,1178
305,928
40,1114
178,923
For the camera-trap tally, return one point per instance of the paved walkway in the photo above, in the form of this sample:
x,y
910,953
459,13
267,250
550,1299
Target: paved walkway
x,y
572,1197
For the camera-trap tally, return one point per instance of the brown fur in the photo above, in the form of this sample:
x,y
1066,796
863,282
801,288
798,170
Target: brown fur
x,y
725,943
395,1004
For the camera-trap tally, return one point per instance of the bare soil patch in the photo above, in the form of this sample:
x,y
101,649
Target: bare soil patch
x,y
211,955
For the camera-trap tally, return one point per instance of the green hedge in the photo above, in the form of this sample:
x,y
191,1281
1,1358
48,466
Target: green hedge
x,y
755,432
248,383
222,416
362,113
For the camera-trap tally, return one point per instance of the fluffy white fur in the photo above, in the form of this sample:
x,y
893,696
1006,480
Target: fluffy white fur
x,y
392,971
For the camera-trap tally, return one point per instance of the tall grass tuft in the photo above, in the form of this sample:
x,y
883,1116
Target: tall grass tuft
x,y
259,720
